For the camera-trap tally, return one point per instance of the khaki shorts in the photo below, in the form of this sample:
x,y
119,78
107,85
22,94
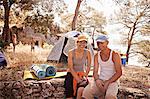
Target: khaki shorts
x,y
92,91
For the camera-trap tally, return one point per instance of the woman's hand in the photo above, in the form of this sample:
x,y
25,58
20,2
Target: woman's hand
x,y
83,83
85,75
79,81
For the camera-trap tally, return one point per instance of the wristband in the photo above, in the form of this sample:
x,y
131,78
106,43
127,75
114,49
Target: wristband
x,y
96,79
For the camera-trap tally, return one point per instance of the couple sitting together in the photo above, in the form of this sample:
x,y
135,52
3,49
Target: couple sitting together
x,y
107,70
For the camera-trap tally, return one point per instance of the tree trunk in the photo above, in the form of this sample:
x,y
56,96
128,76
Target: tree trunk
x,y
5,34
93,44
76,15
130,42
128,49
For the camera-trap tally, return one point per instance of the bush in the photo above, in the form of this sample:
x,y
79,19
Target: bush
x,y
3,44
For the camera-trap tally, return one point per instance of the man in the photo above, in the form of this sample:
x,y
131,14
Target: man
x,y
107,71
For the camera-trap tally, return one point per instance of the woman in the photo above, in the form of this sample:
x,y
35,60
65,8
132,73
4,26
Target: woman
x,y
78,59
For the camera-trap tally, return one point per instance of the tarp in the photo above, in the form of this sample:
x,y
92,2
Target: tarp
x,y
28,75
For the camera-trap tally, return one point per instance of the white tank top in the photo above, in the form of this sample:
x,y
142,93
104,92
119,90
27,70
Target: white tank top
x,y
106,68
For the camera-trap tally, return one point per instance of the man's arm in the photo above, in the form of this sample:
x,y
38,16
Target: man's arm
x,y
117,63
118,67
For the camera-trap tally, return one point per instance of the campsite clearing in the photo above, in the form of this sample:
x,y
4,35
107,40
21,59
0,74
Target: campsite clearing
x,y
23,58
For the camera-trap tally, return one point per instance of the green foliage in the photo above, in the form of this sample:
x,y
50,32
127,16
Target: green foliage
x,y
87,18
145,30
133,16
12,1
143,48
39,23
3,44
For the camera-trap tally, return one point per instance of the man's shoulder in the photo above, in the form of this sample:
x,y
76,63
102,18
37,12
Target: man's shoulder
x,y
115,55
115,52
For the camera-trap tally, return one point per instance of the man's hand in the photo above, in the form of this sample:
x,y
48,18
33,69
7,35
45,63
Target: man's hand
x,y
106,84
100,84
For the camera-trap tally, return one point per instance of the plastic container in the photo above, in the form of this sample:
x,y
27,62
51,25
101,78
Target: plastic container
x,y
123,60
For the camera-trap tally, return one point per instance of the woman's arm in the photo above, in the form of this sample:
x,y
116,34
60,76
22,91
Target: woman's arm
x,y
88,63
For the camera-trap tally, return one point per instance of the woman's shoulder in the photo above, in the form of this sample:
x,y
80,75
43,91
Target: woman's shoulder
x,y
71,50
87,50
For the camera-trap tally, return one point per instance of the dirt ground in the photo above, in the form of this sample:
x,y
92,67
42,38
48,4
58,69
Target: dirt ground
x,y
23,58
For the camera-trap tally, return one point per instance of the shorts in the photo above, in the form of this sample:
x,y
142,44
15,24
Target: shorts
x,y
68,85
92,90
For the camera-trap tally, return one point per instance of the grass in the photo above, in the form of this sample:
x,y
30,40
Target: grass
x,y
23,58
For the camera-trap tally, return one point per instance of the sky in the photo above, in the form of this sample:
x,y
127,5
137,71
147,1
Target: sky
x,y
107,6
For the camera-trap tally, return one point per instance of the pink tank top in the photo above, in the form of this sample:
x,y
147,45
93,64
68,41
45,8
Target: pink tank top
x,y
79,64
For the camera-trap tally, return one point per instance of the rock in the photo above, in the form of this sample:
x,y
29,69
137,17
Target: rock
x,y
27,97
27,90
17,85
2,85
57,82
36,88
52,89
46,93
18,75
60,89
59,95
131,93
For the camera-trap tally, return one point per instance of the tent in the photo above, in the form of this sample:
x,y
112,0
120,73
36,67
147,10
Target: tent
x,y
3,61
66,42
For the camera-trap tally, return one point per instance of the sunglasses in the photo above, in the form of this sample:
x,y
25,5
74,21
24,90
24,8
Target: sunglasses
x,y
82,42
